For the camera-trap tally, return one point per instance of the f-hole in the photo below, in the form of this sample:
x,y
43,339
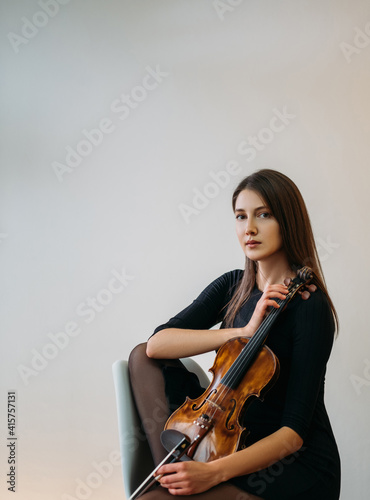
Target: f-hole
x,y
231,413
194,407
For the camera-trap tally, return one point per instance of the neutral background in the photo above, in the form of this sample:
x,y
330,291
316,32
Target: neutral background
x,y
139,200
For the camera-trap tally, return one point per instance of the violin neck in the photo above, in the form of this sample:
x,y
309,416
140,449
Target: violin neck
x,y
259,337
246,357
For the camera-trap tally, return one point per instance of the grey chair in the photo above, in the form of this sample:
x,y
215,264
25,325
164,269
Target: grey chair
x,y
136,458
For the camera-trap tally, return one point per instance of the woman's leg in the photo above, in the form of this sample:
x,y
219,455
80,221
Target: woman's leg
x,y
159,387
148,389
148,382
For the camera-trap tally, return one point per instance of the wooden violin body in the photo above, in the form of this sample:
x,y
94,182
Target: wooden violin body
x,y
216,416
244,369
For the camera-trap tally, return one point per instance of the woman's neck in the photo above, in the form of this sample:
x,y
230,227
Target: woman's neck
x,y
272,272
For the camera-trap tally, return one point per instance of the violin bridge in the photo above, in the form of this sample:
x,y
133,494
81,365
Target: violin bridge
x,y
209,401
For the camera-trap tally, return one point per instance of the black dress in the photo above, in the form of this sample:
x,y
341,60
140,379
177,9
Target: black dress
x,y
301,338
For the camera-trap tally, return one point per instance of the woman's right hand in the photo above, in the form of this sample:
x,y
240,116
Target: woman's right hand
x,y
263,306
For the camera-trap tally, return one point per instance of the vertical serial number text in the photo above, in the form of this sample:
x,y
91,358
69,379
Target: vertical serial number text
x,y
11,441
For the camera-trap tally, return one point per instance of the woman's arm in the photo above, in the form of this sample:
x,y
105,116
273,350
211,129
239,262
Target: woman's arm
x,y
187,478
172,343
259,455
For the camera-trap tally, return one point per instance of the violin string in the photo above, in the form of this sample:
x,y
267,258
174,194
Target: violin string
x,y
239,362
234,369
243,360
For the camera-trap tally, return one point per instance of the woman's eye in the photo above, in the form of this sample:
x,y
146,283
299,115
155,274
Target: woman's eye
x,y
240,217
264,215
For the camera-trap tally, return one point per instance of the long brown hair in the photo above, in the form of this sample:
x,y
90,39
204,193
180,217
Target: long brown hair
x,y
285,201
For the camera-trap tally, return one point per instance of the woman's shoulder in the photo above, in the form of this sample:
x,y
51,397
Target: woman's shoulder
x,y
316,310
224,284
235,275
317,299
230,278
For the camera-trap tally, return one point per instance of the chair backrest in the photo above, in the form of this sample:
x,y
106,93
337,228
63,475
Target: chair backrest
x,y
137,462
136,458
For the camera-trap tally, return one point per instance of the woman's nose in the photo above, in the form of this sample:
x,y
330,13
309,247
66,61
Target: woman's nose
x,y
250,227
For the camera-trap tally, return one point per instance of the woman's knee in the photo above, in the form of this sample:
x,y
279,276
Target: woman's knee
x,y
137,356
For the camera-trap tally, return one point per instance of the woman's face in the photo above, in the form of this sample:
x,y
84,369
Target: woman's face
x,y
257,229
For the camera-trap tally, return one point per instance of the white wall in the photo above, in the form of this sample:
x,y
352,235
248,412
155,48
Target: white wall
x,y
223,71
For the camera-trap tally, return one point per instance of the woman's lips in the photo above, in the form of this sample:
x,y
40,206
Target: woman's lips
x,y
252,243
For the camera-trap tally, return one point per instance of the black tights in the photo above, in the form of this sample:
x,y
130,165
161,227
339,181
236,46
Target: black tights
x,y
148,387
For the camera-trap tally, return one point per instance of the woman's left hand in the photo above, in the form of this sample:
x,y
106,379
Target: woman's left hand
x,y
188,478
305,294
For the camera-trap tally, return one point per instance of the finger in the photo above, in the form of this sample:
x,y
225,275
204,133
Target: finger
x,y
271,289
275,295
173,481
277,286
271,303
179,491
168,469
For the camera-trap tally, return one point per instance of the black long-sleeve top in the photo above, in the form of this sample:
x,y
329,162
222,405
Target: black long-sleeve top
x,y
302,339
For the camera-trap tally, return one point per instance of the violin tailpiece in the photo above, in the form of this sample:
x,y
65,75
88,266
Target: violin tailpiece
x,y
204,425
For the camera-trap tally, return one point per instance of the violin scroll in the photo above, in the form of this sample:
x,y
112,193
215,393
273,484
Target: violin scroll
x,y
305,273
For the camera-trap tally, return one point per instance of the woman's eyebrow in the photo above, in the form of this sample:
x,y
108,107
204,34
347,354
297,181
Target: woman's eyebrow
x,y
256,209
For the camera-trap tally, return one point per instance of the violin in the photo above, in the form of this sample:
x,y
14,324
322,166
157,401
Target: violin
x,y
210,426
244,368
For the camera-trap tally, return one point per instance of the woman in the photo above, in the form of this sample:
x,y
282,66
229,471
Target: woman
x,y
291,452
